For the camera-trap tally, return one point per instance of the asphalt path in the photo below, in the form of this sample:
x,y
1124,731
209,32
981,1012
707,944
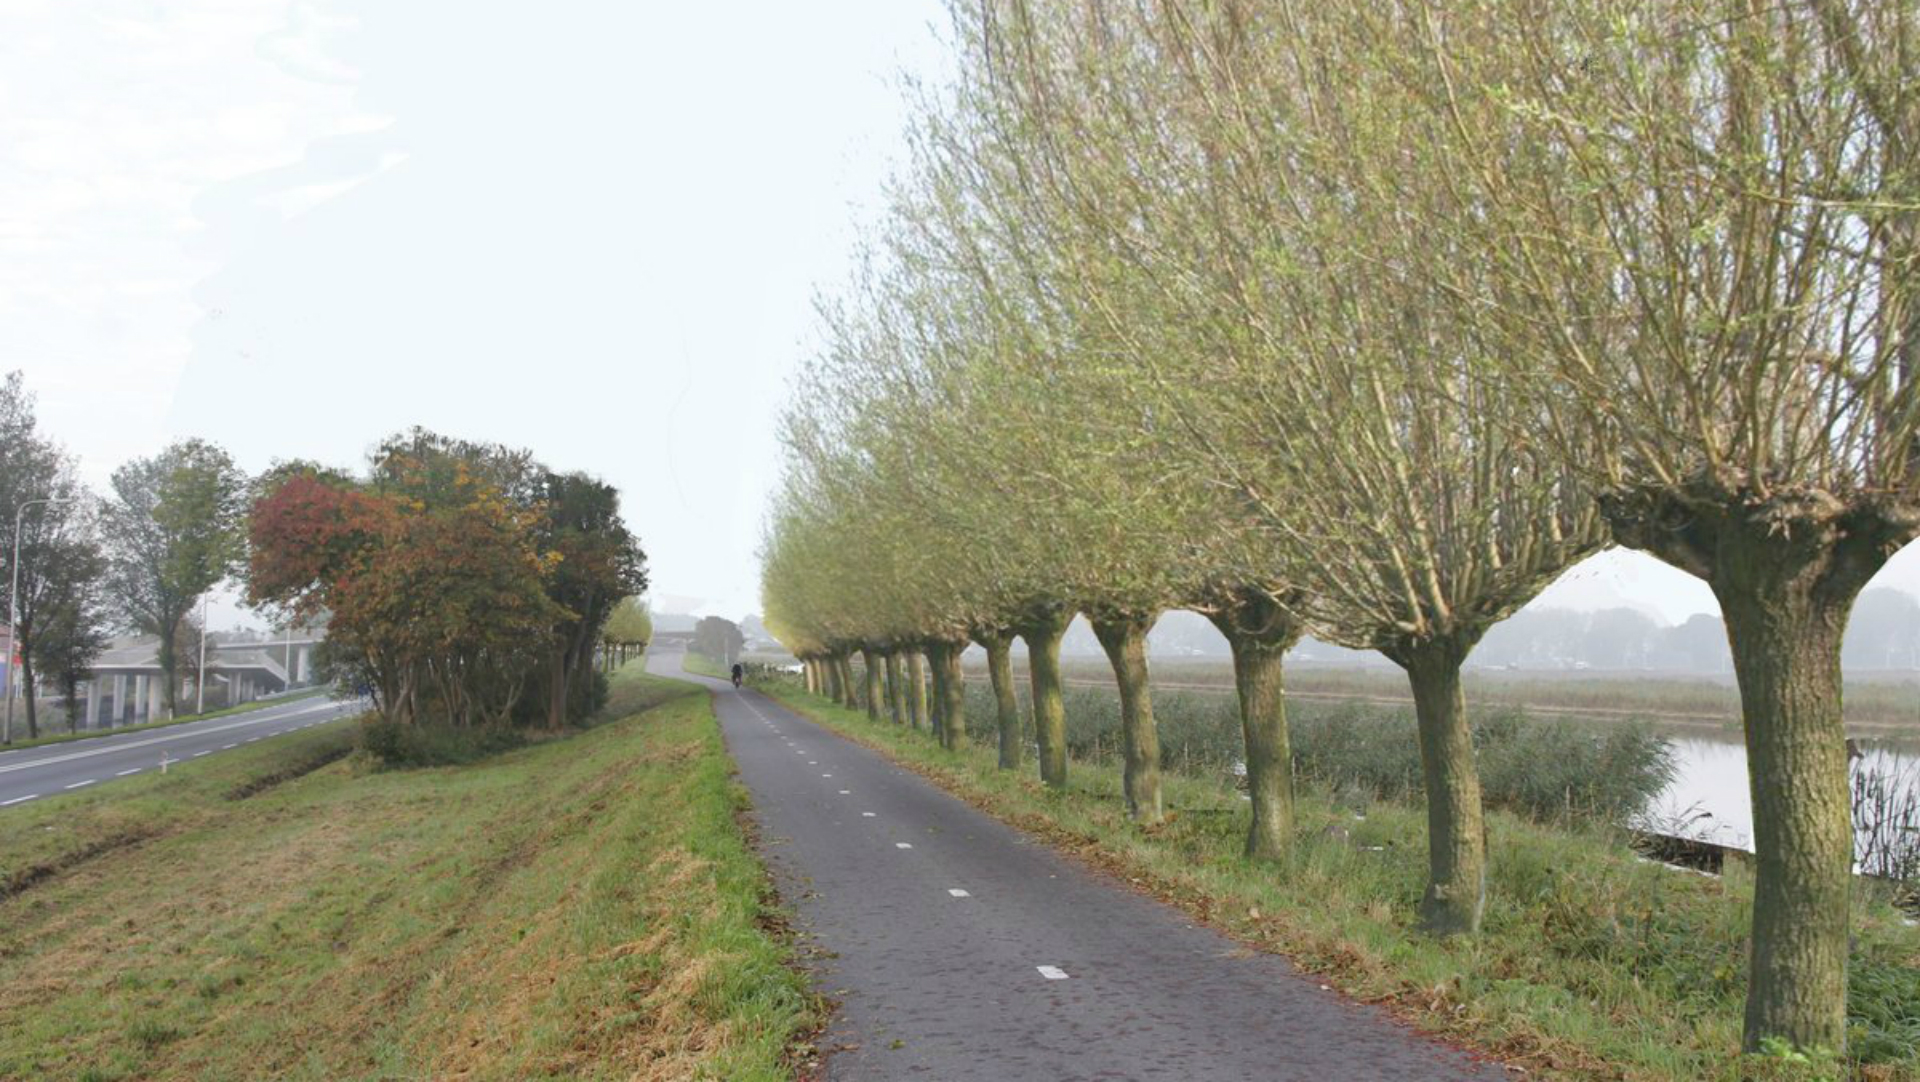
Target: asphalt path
x,y
29,774
961,949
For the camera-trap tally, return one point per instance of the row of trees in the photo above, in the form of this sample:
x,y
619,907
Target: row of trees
x,y
465,583
1370,319
141,558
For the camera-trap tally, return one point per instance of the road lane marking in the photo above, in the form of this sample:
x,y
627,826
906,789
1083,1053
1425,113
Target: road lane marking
x,y
19,799
82,784
229,746
198,754
903,845
1052,973
958,893
846,792
124,773
193,730
868,815
251,739
826,775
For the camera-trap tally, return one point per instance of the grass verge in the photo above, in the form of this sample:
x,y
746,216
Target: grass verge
x,y
585,907
1593,964
243,708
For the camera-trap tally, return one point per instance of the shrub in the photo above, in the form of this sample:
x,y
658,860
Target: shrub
x,y
396,745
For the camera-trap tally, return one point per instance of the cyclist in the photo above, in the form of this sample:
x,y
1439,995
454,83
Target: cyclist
x,y
739,673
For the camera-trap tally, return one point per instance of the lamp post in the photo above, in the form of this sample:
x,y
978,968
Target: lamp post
x,y
200,689
13,605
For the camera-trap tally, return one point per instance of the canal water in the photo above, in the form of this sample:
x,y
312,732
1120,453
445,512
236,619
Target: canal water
x,y
1708,801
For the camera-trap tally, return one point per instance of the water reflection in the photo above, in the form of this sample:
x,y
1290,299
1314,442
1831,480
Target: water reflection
x,y
1708,800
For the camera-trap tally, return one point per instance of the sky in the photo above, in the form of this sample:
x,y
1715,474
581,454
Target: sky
x,y
595,230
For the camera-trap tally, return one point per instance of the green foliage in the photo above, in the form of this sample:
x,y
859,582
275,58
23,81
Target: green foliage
x,y
465,585
399,744
716,637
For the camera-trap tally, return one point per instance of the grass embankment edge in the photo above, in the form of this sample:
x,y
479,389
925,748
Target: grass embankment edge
x,y
1593,964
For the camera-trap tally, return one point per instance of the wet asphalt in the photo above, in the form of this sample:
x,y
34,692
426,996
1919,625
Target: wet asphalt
x,y
960,949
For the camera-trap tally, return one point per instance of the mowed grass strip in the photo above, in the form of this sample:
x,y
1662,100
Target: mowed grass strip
x,y
586,907
1593,964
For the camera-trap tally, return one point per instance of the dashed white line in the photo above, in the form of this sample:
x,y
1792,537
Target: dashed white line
x,y
1052,973
198,754
868,815
83,784
826,775
224,747
251,739
124,773
19,799
846,792
958,893
903,845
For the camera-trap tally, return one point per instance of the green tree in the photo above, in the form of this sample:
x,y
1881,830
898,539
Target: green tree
x,y
172,532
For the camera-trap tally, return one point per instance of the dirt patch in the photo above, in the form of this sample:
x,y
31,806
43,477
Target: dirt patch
x,y
18,882
256,786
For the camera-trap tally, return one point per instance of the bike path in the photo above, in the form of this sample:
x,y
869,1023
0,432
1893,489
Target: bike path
x,y
960,949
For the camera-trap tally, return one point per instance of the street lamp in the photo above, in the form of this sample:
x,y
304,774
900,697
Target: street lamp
x,y
13,605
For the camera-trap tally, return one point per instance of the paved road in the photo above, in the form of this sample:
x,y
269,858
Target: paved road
x,y
961,949
50,770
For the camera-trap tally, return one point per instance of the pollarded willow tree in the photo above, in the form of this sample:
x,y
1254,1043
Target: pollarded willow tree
x,y
1707,255
1273,297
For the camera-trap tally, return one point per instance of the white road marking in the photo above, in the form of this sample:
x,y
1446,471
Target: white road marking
x,y
193,730
252,739
124,773
229,746
846,792
19,799
810,762
903,845
868,815
198,754
826,775
83,784
1052,973
958,893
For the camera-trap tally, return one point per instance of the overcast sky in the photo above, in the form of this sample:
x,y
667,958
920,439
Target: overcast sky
x,y
590,229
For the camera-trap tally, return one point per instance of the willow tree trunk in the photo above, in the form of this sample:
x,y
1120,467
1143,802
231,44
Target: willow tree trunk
x,y
953,732
1260,633
1124,637
871,659
896,688
1049,709
999,647
917,688
849,688
1456,829
937,700
832,666
1786,657
811,672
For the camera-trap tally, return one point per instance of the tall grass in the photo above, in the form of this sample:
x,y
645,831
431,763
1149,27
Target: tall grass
x,y
1545,770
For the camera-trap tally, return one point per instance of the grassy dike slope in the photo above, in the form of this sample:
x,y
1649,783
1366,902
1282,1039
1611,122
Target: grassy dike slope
x,y
1593,964
583,908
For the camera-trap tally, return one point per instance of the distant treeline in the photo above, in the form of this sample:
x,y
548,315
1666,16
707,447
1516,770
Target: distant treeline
x,y
1883,634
